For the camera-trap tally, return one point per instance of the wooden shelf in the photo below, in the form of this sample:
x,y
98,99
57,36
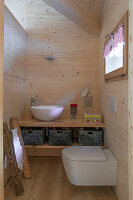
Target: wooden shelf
x,y
46,150
60,123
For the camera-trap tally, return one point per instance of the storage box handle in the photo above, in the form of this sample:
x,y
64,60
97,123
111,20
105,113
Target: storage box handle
x,y
59,132
29,131
90,133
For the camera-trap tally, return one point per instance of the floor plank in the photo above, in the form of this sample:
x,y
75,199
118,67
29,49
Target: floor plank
x,y
49,182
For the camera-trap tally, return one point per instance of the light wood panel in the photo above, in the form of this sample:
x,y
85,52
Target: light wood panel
x,y
76,11
14,68
116,134
60,123
130,102
77,57
50,182
76,65
93,7
86,13
1,97
46,150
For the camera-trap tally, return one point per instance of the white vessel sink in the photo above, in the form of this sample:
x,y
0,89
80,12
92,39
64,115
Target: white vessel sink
x,y
47,113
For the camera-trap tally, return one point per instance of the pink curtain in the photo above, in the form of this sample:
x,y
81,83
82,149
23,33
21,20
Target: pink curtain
x,y
118,37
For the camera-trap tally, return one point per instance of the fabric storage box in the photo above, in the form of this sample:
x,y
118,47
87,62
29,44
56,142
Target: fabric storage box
x,y
33,136
90,137
60,137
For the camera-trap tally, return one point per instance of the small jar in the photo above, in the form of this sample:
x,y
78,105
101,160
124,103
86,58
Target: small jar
x,y
73,111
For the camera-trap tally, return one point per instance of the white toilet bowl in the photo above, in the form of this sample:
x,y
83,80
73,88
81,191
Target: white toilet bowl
x,y
90,166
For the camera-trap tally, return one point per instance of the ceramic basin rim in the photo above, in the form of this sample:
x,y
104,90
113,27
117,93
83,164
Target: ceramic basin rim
x,y
47,107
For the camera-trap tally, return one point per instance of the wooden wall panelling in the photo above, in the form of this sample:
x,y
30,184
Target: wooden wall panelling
x,y
87,13
77,57
1,97
76,64
14,68
116,134
94,7
78,14
130,102
50,33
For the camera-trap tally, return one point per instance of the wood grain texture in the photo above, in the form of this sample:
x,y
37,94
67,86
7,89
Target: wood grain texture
x,y
14,68
77,57
93,7
1,97
130,102
9,151
87,14
116,134
76,65
50,182
79,13
60,123
15,125
44,150
36,151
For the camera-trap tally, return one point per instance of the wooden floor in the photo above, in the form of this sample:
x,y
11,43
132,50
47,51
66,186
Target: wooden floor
x,y
49,182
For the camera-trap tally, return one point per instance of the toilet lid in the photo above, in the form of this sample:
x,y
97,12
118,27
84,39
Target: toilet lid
x,y
84,153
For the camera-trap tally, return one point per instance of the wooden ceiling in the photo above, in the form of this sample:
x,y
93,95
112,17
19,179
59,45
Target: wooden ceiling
x,y
85,13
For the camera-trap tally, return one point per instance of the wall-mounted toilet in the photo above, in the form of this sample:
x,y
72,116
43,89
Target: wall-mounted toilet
x,y
90,166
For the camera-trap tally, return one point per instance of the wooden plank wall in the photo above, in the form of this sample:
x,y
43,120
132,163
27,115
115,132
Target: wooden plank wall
x,y
116,136
130,101
1,97
76,66
14,68
80,15
77,57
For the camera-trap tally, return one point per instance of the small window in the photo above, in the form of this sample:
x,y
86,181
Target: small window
x,y
115,51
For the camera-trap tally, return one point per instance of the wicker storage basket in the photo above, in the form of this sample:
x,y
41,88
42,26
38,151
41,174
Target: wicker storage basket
x,y
90,137
33,136
61,136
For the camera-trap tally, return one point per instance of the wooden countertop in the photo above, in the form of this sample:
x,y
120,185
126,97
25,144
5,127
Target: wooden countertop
x,y
59,123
